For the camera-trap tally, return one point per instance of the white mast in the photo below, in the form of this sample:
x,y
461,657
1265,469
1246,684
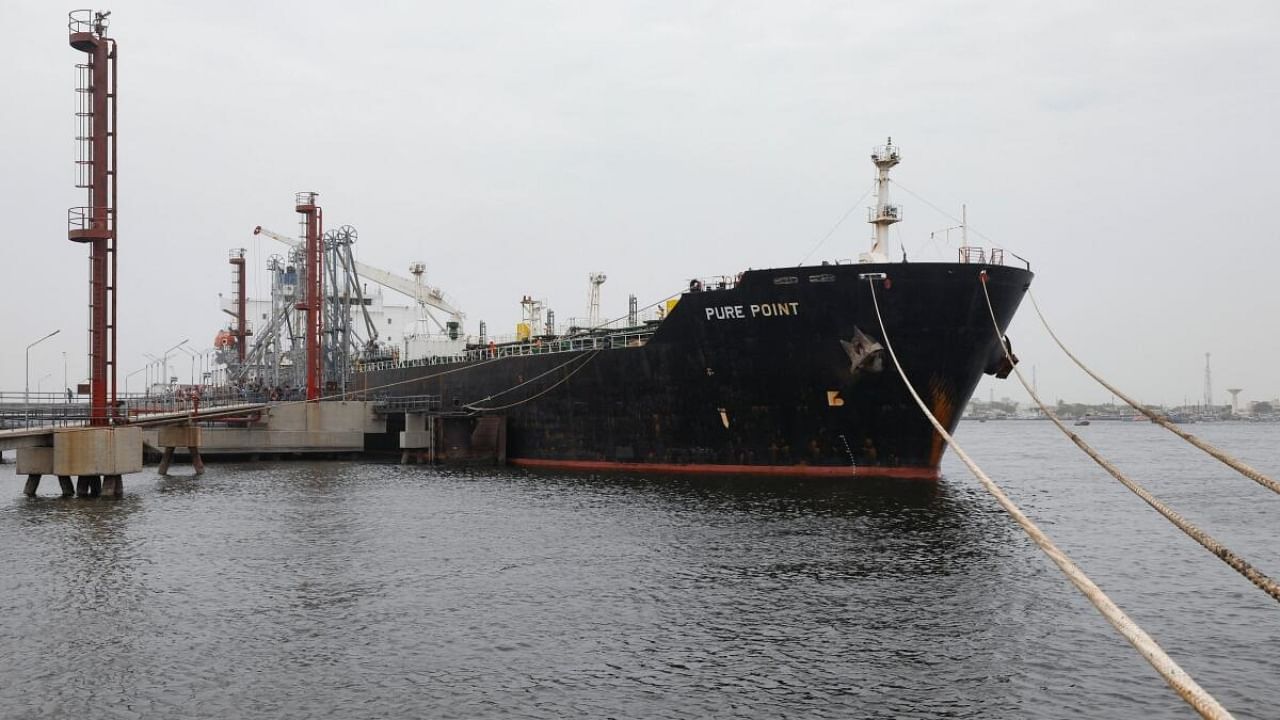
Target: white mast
x,y
593,299
884,213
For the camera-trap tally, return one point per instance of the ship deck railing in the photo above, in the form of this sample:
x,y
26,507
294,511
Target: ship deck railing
x,y
407,404
630,338
715,282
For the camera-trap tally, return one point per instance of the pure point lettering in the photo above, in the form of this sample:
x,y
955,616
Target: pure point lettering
x,y
742,312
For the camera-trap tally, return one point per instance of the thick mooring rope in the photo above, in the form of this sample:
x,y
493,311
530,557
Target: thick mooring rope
x,y
1237,563
589,357
1160,420
1178,679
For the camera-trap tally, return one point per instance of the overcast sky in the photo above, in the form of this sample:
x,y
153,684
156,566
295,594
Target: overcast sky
x,y
1128,149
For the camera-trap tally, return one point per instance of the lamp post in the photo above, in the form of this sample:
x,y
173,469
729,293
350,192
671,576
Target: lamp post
x,y
66,388
148,379
135,372
166,359
193,355
206,364
26,392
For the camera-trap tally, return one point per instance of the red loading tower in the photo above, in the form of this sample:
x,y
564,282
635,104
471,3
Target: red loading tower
x,y
95,223
241,331
313,300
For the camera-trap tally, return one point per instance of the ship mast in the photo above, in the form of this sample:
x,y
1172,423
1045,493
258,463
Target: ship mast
x,y
884,213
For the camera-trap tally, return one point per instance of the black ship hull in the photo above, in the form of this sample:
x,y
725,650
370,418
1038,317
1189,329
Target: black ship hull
x,y
780,372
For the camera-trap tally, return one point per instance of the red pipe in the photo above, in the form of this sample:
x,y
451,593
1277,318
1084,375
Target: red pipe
x,y
313,299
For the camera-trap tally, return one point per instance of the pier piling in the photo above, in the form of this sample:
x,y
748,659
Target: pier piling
x,y
112,486
418,438
173,437
90,486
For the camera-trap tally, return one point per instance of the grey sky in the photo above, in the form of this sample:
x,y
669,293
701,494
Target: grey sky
x,y
1127,149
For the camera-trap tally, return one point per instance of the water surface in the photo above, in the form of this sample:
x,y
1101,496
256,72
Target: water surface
x,y
352,590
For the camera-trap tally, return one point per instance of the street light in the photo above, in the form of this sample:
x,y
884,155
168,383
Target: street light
x,y
65,386
135,372
26,392
148,380
193,354
166,359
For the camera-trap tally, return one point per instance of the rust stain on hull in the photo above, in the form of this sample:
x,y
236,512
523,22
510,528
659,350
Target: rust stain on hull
x,y
942,405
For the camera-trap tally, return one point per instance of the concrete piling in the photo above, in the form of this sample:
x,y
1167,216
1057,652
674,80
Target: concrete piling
x,y
418,438
112,486
173,437
164,461
89,485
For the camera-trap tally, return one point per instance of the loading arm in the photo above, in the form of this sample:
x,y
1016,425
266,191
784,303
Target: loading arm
x,y
421,292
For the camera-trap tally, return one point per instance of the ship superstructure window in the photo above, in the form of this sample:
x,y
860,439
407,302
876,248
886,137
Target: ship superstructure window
x,y
786,280
822,278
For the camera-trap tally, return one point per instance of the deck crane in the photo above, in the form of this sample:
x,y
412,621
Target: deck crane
x,y
425,295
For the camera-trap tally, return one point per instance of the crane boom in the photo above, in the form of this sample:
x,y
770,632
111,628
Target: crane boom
x,y
422,293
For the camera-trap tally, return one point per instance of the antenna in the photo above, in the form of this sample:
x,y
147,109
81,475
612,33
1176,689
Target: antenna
x,y
1208,384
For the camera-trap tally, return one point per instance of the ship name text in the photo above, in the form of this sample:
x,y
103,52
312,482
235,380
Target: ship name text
x,y
742,312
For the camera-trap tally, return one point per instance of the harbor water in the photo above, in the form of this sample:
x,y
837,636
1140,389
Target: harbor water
x,y
362,590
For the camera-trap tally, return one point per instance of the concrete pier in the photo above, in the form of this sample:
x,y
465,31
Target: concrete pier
x,y
98,456
287,428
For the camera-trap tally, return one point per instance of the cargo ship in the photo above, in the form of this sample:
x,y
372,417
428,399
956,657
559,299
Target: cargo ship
x,y
780,371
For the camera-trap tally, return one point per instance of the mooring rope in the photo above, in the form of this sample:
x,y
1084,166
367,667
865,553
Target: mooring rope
x,y
1178,679
588,358
1239,564
362,391
538,377
1163,422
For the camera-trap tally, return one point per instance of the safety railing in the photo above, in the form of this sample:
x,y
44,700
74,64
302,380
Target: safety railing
x,y
52,410
981,256
407,403
82,219
715,282
536,346
87,21
886,212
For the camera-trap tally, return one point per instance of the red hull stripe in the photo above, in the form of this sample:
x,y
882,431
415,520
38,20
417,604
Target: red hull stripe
x,y
827,471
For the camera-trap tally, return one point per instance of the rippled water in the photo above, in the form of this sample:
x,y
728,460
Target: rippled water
x,y
349,590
